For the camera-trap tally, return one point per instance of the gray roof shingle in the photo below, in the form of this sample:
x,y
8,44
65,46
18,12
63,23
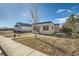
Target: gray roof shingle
x,y
22,24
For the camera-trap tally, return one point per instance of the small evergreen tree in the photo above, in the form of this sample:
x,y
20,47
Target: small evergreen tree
x,y
67,31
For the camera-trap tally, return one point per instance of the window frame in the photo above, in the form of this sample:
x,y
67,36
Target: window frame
x,y
45,27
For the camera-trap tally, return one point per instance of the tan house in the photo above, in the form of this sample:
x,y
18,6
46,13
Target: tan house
x,y
46,28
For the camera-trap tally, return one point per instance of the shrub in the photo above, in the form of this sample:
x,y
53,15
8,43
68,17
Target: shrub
x,y
78,32
67,31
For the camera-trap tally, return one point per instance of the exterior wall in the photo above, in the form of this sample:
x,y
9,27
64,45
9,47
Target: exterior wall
x,y
17,28
50,31
23,28
56,28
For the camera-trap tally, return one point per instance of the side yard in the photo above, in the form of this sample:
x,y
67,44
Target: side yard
x,y
50,45
7,33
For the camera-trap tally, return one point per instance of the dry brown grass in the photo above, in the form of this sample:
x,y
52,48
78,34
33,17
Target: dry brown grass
x,y
56,46
48,44
7,33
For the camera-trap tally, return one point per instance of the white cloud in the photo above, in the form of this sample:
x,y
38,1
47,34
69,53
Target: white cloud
x,y
60,10
69,11
64,11
24,14
60,20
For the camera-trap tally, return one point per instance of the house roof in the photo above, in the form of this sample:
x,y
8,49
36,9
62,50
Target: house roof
x,y
22,24
44,22
56,24
29,25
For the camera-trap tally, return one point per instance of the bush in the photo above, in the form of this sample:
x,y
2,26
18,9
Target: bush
x,y
78,32
67,31
61,35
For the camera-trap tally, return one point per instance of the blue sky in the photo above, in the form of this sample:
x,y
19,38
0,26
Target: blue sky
x,y
10,13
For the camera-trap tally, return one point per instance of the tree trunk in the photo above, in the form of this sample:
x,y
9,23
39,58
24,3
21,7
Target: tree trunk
x,y
35,31
35,35
74,31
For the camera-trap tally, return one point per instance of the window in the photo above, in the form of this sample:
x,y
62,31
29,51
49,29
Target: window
x,y
45,27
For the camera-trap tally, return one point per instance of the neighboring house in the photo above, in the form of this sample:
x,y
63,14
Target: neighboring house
x,y
23,27
46,28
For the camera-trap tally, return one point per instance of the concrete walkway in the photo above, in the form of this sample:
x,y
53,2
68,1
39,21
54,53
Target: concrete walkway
x,y
13,48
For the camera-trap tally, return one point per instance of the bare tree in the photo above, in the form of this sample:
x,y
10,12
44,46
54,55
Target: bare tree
x,y
34,15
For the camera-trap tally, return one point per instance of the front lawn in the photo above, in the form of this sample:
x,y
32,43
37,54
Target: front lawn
x,y
50,45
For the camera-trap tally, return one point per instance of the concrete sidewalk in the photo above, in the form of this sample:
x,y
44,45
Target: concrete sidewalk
x,y
13,48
